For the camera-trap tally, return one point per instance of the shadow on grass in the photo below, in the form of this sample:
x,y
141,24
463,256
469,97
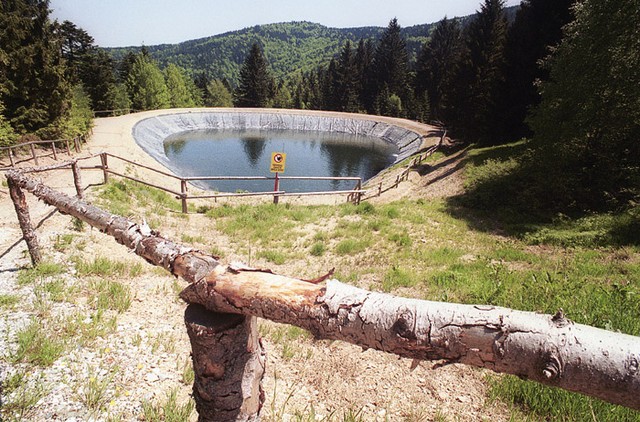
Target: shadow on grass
x,y
507,194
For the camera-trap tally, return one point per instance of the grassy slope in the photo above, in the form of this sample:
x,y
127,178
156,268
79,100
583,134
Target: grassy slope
x,y
442,250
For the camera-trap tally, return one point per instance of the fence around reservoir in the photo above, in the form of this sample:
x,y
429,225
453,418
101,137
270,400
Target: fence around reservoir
x,y
52,148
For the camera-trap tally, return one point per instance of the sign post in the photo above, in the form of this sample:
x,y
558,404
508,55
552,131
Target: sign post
x,y
278,163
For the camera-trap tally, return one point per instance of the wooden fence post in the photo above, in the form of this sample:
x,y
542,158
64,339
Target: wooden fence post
x,y
77,181
183,196
13,163
105,167
33,154
22,211
55,154
76,144
228,363
66,141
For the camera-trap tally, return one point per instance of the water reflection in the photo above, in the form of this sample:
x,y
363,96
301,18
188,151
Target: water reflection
x,y
248,153
254,148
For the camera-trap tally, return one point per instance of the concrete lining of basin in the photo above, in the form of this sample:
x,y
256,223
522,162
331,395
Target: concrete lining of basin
x,y
151,132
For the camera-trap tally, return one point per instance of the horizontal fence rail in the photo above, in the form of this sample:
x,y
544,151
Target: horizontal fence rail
x,y
68,144
353,195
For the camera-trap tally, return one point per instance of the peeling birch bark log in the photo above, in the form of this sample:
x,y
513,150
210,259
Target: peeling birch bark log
x,y
24,219
549,349
229,363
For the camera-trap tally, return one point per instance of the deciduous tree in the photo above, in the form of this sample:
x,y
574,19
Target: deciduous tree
x,y
588,123
146,85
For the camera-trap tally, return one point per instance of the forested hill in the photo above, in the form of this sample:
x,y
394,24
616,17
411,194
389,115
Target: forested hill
x,y
289,47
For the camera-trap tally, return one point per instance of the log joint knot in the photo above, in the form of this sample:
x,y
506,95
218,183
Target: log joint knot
x,y
552,368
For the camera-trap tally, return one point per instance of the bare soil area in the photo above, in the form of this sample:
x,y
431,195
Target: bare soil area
x,y
147,355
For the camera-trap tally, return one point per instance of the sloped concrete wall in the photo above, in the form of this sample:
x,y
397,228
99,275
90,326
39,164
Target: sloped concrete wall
x,y
150,133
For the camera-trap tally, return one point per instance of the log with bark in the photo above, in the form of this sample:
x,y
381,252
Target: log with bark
x,y
549,349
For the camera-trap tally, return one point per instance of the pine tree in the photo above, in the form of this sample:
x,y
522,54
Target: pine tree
x,y
76,48
99,80
437,66
480,85
536,30
345,83
256,84
391,65
365,75
32,71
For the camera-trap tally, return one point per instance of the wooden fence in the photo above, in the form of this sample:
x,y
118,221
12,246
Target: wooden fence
x,y
35,154
113,113
415,161
181,190
228,358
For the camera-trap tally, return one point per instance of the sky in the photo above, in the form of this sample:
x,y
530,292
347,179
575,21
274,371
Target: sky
x,y
120,23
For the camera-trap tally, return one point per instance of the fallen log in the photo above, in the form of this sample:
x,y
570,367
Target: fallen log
x,y
549,349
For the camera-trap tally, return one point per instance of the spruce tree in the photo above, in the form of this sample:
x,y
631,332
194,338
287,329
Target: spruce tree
x,y
345,82
484,77
365,76
256,84
34,89
437,66
99,80
391,65
537,29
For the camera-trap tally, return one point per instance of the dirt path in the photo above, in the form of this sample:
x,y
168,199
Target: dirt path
x,y
145,358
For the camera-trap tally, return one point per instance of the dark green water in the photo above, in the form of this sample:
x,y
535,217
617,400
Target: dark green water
x,y
248,153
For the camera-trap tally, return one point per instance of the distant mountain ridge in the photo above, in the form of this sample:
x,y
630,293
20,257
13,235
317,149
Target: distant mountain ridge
x,y
290,47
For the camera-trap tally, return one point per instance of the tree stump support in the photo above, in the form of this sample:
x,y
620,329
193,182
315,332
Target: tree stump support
x,y
105,167
228,363
22,211
77,180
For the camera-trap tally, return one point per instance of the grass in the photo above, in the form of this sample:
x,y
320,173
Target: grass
x,y
41,271
431,253
94,392
107,294
122,197
22,396
105,267
168,411
8,301
38,345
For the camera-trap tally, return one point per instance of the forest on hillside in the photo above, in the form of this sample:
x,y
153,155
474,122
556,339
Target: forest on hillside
x,y
562,74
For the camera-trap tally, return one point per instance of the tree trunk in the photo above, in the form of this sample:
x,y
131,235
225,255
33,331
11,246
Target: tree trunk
x,y
548,349
229,362
22,212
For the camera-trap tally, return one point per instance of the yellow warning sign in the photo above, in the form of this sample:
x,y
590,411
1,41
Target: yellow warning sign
x,y
278,160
